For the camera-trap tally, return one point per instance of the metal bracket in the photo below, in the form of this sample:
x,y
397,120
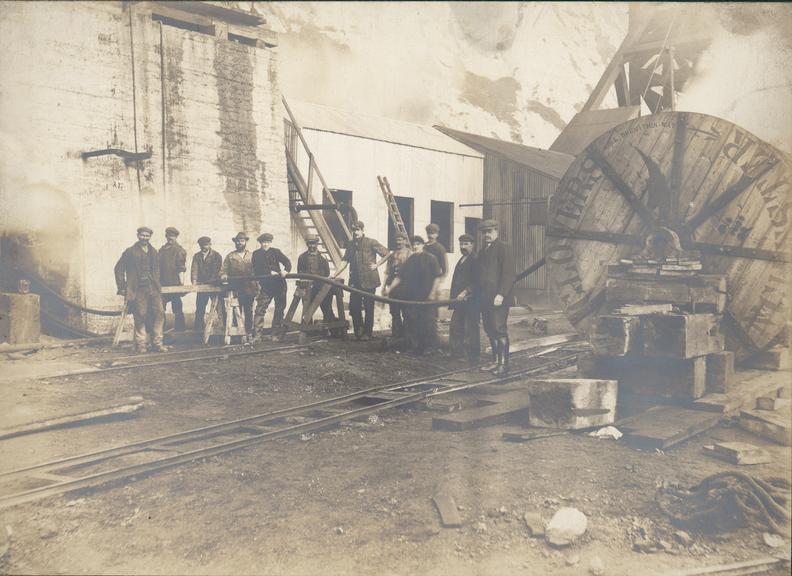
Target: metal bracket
x,y
126,155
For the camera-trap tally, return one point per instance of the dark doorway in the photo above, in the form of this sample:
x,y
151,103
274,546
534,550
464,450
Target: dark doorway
x,y
346,211
405,206
442,214
471,229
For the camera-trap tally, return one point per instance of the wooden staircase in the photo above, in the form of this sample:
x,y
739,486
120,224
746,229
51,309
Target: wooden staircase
x,y
311,208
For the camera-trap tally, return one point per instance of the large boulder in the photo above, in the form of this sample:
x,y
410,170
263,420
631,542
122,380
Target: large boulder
x,y
566,526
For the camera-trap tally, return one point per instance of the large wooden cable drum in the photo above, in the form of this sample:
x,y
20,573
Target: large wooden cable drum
x,y
722,190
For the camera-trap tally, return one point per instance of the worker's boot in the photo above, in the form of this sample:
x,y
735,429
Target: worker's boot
x,y
503,356
494,362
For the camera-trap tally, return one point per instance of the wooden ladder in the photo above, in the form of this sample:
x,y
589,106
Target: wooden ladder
x,y
393,208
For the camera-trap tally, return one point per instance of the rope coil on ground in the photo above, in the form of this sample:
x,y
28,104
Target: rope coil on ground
x,y
729,500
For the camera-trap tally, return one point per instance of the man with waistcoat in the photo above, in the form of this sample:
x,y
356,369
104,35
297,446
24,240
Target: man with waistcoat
x,y
137,276
495,281
173,264
239,264
312,262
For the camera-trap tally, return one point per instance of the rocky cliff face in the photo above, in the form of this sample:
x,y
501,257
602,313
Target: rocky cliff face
x,y
516,71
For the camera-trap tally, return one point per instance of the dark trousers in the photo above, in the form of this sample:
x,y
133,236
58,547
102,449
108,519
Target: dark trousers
x,y
494,320
201,300
327,302
246,304
176,305
419,328
398,314
463,335
358,305
268,293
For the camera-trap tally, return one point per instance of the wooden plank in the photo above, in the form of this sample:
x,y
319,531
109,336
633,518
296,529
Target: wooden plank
x,y
672,379
708,292
528,435
720,371
447,508
202,288
615,335
641,309
72,419
479,417
681,336
759,566
749,385
774,426
741,453
777,358
665,426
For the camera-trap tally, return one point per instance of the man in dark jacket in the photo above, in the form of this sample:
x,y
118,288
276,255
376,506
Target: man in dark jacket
x,y
417,280
437,250
496,276
312,262
173,264
267,261
205,269
239,264
397,259
137,276
361,257
463,334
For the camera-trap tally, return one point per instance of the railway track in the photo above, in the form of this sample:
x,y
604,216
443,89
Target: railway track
x,y
139,459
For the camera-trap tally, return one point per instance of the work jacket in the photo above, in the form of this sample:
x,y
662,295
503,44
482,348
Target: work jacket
x,y
238,264
173,260
464,278
205,270
129,267
360,254
268,263
496,274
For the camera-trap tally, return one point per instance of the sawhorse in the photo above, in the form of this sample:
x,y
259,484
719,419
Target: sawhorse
x,y
307,326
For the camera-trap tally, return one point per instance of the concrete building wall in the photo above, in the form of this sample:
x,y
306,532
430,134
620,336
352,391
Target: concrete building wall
x,y
353,163
85,76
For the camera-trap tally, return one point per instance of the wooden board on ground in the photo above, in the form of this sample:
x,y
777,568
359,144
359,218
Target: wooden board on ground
x,y
748,386
741,453
774,426
528,435
447,508
664,426
483,416
681,335
720,371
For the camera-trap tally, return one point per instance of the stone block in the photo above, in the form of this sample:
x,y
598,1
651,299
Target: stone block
x,y
777,358
720,371
681,335
20,318
615,335
572,403
741,453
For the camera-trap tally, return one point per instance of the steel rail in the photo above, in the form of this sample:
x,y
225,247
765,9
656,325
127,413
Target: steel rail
x,y
135,470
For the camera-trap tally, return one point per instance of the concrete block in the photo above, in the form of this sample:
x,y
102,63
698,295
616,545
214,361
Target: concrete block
x,y
720,371
20,318
615,335
774,426
681,335
572,403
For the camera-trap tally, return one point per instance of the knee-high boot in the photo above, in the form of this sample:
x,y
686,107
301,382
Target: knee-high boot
x,y
494,362
503,356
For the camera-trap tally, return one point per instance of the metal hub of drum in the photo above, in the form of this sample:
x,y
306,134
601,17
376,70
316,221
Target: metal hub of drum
x,y
721,190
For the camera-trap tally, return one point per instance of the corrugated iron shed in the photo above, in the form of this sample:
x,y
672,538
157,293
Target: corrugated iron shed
x,y
587,126
550,163
328,119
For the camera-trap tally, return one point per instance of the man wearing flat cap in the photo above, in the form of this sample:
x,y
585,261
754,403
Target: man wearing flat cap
x,y
398,258
173,264
238,264
205,269
273,265
463,335
496,276
137,275
313,262
361,257
437,250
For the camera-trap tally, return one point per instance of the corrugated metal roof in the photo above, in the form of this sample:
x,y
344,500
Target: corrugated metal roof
x,y
327,119
553,164
587,126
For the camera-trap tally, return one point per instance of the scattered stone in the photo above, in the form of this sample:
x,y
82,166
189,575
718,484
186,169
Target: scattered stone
x,y
683,538
48,531
535,524
596,567
572,559
566,526
480,527
663,545
644,545
339,530
773,540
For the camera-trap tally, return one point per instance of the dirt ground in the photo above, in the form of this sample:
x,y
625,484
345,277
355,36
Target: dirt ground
x,y
356,499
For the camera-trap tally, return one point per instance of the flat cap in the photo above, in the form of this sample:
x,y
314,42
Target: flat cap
x,y
312,239
145,229
241,236
417,240
466,238
171,231
266,237
405,237
432,228
488,225
204,240
358,225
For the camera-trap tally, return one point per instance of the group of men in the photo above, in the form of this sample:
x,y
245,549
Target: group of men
x,y
481,286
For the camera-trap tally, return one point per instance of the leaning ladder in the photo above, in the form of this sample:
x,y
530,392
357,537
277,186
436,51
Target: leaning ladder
x,y
393,208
